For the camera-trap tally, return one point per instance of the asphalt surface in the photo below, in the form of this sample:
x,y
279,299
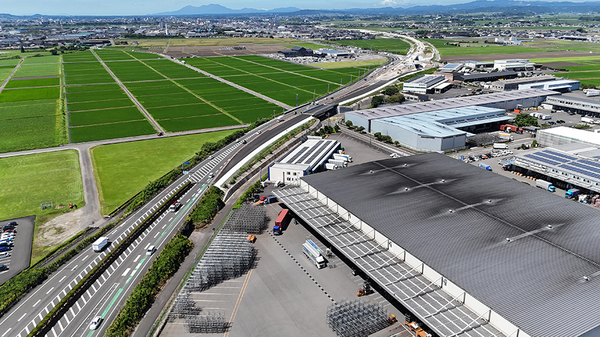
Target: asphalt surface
x,y
21,251
31,309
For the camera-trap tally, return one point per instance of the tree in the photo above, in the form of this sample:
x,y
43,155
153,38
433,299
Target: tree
x,y
397,98
391,90
525,120
376,101
581,30
22,49
348,123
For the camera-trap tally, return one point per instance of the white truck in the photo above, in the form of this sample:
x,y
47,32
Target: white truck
x,y
99,244
500,146
587,120
591,92
348,157
546,185
340,163
314,253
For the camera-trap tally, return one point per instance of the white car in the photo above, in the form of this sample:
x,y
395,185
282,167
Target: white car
x,y
150,250
95,322
3,255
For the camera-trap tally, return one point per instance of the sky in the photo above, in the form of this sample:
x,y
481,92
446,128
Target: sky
x,y
146,7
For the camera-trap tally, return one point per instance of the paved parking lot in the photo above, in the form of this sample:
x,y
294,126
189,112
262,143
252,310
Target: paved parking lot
x,y
21,251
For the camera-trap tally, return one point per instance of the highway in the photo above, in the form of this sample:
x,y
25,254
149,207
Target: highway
x,y
22,318
111,290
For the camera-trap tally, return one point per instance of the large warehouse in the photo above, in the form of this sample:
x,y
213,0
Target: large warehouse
x,y
443,118
564,135
575,103
439,130
467,251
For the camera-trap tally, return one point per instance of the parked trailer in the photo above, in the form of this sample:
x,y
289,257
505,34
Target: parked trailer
x,y
342,157
500,146
546,185
314,253
587,120
281,220
340,163
329,166
99,244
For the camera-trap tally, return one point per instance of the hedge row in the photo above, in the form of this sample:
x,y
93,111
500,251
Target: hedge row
x,y
143,295
208,206
206,150
13,289
39,329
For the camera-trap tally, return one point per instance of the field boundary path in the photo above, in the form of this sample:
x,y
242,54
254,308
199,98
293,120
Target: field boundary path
x,y
139,105
189,91
11,74
237,86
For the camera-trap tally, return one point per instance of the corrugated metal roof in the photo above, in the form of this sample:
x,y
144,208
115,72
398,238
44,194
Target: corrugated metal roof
x,y
456,218
449,103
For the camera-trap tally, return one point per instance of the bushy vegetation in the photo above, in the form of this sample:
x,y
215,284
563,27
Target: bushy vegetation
x,y
327,130
383,138
207,207
143,295
247,195
525,120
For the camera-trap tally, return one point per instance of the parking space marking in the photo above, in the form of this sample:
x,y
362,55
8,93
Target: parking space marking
x,y
61,327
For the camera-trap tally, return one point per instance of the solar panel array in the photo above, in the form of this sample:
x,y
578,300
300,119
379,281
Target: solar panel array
x,y
446,315
298,154
578,166
316,146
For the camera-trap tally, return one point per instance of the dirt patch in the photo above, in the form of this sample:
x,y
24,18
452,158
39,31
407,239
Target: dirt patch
x,y
241,49
32,78
61,228
562,64
535,55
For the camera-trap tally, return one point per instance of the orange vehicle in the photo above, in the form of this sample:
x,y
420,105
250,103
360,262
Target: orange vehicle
x,y
510,128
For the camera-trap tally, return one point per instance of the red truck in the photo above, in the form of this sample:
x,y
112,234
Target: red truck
x,y
511,128
281,221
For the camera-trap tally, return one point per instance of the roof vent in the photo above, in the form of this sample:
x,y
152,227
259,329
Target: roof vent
x,y
509,240
586,278
406,188
371,171
549,227
450,211
443,180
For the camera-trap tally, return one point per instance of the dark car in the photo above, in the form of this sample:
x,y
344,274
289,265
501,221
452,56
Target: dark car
x,y
8,226
3,267
13,223
4,248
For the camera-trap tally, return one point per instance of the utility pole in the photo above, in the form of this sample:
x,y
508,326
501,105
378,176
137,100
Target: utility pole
x,y
296,99
314,93
327,87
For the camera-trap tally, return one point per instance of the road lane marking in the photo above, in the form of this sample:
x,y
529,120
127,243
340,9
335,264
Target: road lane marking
x,y
6,332
133,272
126,271
137,258
74,267
36,303
21,317
47,292
85,258
157,234
59,281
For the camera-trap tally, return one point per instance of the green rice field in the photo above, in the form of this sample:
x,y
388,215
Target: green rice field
x,y
28,125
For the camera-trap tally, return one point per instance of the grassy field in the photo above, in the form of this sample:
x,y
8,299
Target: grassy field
x,y
27,181
124,169
37,69
395,46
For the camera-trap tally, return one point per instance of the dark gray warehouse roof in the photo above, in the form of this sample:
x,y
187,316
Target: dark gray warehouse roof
x,y
521,251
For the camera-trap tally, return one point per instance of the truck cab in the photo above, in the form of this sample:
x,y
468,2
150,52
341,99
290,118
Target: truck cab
x,y
276,230
572,193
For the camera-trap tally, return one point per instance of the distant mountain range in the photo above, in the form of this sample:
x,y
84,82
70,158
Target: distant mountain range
x,y
478,6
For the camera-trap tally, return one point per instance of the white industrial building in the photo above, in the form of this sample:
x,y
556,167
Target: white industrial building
x,y
514,64
513,84
302,160
468,252
423,84
564,135
439,130
557,85
574,103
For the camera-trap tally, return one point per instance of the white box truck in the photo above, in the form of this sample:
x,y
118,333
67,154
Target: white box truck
x,y
342,157
99,244
329,166
587,120
314,253
340,163
500,146
546,185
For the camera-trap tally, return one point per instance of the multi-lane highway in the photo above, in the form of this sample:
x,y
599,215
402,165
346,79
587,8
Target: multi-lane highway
x,y
119,279
109,292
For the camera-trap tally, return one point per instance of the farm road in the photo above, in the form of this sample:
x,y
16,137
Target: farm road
x,y
91,214
11,74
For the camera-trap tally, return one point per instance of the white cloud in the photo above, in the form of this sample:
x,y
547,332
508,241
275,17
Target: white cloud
x,y
388,2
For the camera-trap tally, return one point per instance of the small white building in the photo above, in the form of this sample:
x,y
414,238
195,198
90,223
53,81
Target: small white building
x,y
558,85
302,160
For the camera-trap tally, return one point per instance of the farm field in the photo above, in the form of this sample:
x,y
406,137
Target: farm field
x,y
30,180
583,68
29,109
124,169
181,99
97,107
395,46
277,79
209,42
346,64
